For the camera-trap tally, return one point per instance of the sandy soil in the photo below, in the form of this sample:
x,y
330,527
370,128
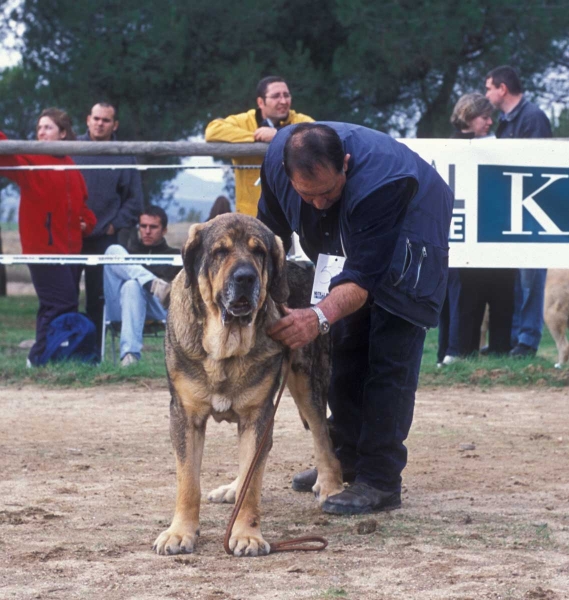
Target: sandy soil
x,y
88,483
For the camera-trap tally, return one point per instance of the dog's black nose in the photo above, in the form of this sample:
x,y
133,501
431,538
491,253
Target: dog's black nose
x,y
245,275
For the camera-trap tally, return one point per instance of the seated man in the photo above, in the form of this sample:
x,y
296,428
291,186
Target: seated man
x,y
134,293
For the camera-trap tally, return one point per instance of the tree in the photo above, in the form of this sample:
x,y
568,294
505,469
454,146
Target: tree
x,y
407,58
171,67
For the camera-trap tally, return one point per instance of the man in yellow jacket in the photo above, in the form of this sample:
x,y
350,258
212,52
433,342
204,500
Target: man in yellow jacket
x,y
256,125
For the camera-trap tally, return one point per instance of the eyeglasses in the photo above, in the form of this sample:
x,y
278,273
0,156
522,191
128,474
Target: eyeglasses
x,y
284,96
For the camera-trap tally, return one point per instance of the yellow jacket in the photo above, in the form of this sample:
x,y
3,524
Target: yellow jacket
x,y
240,128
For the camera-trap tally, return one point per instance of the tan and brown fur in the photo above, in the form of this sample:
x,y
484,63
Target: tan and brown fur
x,y
556,311
221,363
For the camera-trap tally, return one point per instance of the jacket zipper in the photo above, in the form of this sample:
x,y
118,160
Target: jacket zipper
x,y
48,227
406,265
423,256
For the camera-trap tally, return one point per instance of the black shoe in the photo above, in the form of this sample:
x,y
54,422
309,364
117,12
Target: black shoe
x,y
522,351
484,351
359,499
305,480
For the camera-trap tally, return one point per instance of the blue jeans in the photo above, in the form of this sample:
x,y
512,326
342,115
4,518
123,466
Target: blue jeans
x,y
527,324
375,370
128,302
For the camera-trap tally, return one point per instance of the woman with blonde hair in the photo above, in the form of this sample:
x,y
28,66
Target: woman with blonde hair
x,y
469,289
472,116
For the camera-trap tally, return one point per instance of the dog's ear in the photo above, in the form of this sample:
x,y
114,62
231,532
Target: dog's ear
x,y
191,253
278,286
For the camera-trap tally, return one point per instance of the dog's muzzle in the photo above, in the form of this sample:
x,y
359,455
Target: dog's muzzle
x,y
241,295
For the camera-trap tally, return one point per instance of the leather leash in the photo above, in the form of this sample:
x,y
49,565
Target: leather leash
x,y
293,544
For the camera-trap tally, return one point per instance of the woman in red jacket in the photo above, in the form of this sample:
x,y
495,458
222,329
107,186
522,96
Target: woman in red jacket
x,y
53,219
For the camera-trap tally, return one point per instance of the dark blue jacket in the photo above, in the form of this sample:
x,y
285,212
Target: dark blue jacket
x,y
409,278
115,196
526,120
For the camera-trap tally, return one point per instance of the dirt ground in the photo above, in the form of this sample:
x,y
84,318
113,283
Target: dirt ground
x,y
88,482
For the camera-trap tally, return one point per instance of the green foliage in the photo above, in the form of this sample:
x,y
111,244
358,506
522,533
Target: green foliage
x,y
171,67
560,126
417,57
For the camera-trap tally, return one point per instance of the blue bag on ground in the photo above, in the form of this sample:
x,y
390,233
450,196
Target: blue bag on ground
x,y
71,336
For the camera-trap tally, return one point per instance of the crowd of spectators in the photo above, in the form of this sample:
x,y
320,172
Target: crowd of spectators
x,y
98,211
513,297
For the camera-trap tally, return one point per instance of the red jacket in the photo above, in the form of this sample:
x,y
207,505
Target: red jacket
x,y
52,204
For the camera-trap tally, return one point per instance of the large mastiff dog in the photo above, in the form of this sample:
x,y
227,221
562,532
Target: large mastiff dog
x,y
221,363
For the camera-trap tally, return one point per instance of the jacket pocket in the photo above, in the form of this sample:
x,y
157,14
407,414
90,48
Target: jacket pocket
x,y
418,269
431,274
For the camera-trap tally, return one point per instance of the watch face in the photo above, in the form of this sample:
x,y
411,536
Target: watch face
x,y
324,327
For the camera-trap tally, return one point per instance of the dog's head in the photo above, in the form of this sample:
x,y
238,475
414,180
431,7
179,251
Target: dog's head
x,y
235,263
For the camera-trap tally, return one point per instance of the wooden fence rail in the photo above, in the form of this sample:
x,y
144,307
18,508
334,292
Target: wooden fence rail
x,y
217,149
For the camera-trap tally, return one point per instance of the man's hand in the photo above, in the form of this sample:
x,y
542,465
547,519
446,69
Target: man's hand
x,y
298,328
264,134
110,229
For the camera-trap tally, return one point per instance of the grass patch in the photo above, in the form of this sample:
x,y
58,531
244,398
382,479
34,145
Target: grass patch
x,y
489,371
17,323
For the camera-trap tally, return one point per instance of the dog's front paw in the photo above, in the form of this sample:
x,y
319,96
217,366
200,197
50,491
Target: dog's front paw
x,y
224,494
249,544
176,541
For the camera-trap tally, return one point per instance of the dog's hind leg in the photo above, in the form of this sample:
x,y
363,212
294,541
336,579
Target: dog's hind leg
x,y
312,409
224,493
187,431
556,320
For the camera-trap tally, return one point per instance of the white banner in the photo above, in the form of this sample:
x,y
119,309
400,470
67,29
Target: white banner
x,y
511,200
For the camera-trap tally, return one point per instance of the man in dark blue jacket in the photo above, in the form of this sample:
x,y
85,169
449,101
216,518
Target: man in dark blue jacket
x,y
354,192
521,119
115,196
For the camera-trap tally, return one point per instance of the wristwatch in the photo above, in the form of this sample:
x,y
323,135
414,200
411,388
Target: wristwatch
x,y
323,323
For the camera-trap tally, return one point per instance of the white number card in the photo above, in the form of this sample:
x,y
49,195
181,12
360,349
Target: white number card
x,y
328,266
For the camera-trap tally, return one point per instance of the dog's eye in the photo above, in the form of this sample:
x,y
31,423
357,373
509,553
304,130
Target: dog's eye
x,y
220,252
260,252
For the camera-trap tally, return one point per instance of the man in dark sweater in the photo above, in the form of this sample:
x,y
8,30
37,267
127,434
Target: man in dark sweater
x,y
134,293
115,196
521,119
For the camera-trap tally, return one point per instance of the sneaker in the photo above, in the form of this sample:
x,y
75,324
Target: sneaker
x,y
305,480
522,351
128,359
360,499
449,360
161,289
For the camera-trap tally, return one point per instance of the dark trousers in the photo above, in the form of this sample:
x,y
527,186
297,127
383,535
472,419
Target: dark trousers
x,y
375,370
479,287
94,286
57,288
447,345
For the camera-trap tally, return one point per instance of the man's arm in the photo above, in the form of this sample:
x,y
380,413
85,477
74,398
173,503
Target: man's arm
x,y
536,125
299,327
234,129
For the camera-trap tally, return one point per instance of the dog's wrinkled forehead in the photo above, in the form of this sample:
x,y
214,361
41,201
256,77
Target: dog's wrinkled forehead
x,y
236,233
